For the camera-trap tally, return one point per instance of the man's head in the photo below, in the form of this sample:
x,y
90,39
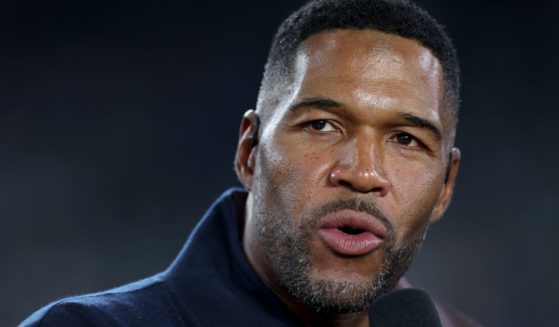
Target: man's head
x,y
358,106
399,17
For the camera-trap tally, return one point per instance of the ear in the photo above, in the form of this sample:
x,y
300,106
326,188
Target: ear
x,y
446,193
246,148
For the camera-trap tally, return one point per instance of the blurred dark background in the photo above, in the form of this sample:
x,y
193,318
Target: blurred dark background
x,y
119,120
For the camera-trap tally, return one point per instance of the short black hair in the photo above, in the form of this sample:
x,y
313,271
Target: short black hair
x,y
399,17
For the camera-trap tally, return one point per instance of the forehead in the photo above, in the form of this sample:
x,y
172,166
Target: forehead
x,y
371,47
366,67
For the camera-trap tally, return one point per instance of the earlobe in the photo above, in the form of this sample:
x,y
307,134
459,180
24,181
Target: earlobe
x,y
246,148
450,180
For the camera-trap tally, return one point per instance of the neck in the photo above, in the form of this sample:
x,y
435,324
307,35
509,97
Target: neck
x,y
311,318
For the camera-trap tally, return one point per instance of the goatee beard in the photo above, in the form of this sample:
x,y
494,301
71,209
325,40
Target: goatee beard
x,y
287,253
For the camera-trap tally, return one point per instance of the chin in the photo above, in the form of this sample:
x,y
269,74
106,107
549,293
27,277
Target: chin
x,y
336,295
342,275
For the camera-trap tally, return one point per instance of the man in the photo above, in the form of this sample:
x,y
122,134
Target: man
x,y
346,162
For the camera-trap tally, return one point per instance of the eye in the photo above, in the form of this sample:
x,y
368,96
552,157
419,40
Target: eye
x,y
322,126
406,140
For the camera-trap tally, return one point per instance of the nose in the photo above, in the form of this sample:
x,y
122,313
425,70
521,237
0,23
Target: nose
x,y
360,168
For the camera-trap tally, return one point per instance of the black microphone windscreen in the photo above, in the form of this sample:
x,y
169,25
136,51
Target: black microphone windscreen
x,y
406,307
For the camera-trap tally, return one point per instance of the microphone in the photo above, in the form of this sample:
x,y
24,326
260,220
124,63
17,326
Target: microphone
x,y
405,307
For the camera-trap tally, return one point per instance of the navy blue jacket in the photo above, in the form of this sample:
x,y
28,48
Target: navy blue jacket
x,y
210,283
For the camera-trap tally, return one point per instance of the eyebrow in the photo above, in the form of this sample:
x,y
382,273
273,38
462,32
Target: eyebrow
x,y
319,103
422,123
322,103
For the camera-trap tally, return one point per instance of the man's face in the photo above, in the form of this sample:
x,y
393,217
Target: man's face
x,y
349,170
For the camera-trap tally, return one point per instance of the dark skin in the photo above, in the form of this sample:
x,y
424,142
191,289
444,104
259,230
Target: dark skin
x,y
364,118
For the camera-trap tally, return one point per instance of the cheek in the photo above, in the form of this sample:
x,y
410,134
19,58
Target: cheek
x,y
415,189
291,174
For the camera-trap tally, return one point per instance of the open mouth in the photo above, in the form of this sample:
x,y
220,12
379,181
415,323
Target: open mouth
x,y
351,231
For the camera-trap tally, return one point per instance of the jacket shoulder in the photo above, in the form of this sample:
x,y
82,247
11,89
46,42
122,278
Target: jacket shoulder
x,y
142,303
69,312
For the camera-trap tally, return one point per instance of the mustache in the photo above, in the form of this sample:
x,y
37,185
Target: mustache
x,y
356,205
